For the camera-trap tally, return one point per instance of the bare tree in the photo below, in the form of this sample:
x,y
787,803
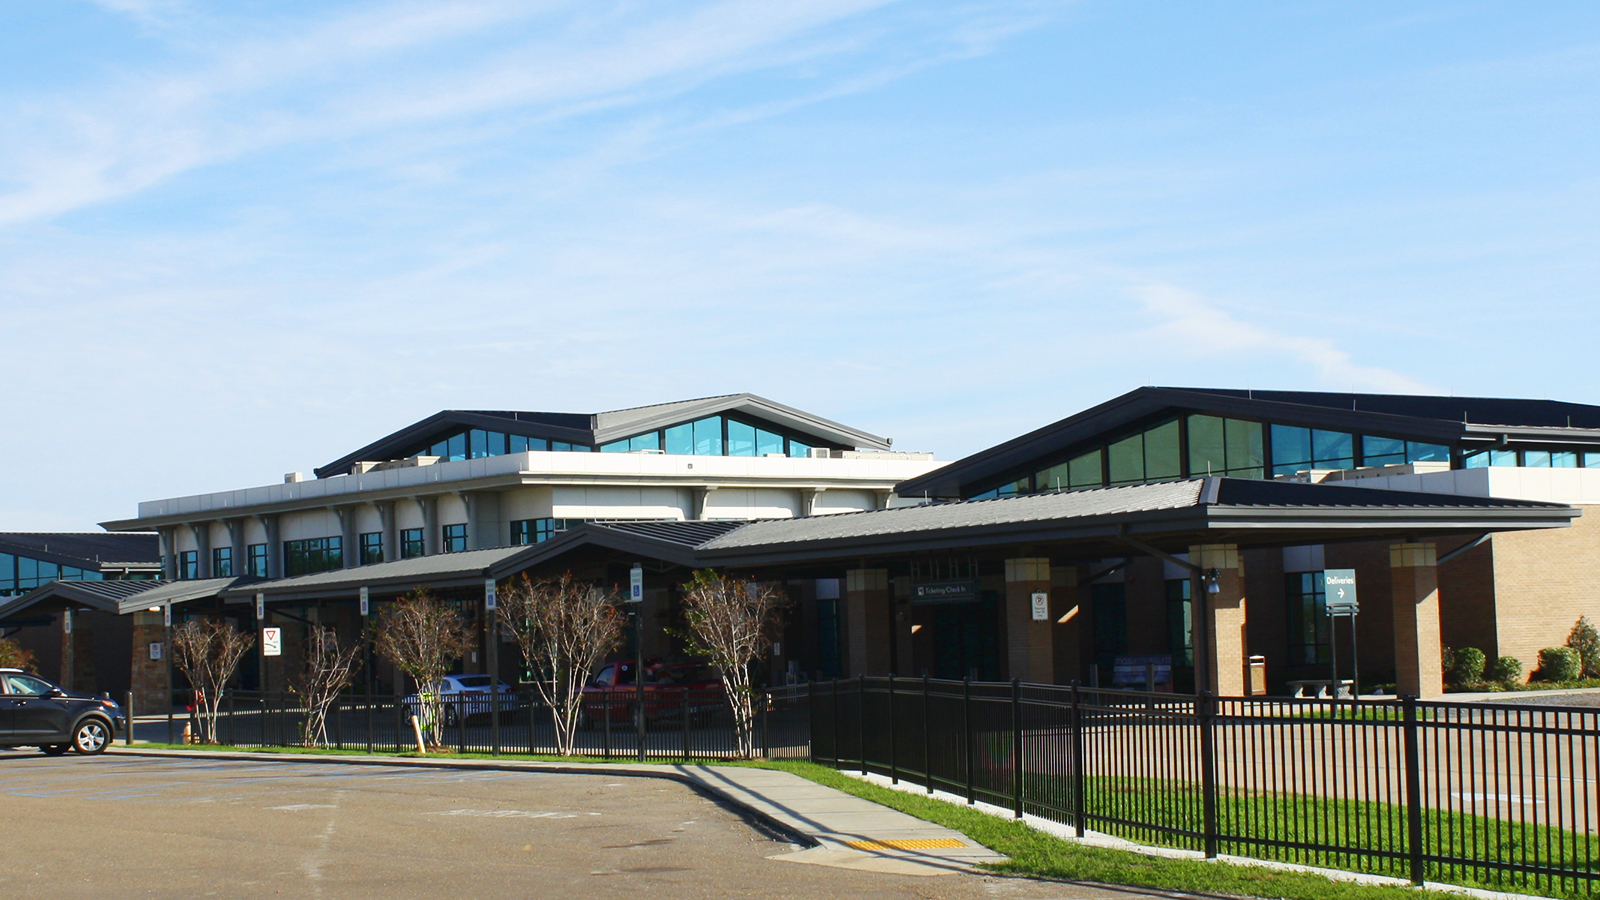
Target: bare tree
x,y
328,670
13,656
208,653
730,623
563,628
423,638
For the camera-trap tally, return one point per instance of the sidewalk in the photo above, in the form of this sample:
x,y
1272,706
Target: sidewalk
x,y
840,830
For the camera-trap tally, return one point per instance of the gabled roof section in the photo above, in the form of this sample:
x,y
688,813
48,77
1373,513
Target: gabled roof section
x,y
600,428
1420,418
621,423
95,550
105,596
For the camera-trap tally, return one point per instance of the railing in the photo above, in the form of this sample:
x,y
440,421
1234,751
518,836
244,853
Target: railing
x,y
679,724
1483,794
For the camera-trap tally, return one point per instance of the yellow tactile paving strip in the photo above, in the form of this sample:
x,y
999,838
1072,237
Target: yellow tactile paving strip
x,y
919,844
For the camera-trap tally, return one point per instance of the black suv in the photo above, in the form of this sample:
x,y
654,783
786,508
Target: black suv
x,y
36,713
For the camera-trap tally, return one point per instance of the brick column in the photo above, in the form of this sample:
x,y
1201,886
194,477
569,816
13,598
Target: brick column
x,y
1066,622
868,610
149,683
1226,650
1414,574
1030,645
77,651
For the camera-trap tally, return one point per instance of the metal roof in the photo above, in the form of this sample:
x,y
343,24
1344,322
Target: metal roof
x,y
440,570
97,551
600,428
1430,419
101,595
1093,523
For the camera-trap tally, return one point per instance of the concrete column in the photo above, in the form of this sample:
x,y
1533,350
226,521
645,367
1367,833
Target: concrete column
x,y
236,540
1414,574
868,616
431,538
391,532
202,548
808,500
483,519
269,523
349,553
701,495
168,540
1030,645
1225,652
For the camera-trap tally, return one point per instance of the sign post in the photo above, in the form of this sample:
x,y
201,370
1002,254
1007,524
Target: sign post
x,y
1340,602
491,633
636,601
366,656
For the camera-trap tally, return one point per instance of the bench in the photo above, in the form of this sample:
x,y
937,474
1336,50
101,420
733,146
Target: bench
x,y
1319,687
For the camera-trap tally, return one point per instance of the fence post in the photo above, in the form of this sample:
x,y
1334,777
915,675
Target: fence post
x,y
894,757
1016,747
1413,753
683,710
966,731
766,725
836,758
927,737
861,719
1208,772
1077,760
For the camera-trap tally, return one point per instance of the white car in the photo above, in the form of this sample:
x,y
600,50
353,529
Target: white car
x,y
467,697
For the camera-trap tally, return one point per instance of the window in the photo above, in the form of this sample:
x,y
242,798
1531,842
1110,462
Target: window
x,y
1073,475
1297,449
537,531
1591,460
1382,451
768,442
255,564
1536,458
741,439
455,538
1219,446
1563,459
188,565
411,543
1151,455
802,450
312,555
1502,457
1109,604
708,437
222,562
648,441
1309,642
371,548
1180,621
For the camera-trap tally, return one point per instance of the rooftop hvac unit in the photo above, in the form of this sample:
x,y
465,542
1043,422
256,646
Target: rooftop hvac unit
x,y
820,453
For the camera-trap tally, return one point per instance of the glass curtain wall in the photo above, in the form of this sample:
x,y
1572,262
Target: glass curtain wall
x,y
21,574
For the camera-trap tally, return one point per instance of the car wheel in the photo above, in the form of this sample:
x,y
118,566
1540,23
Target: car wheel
x,y
55,749
91,737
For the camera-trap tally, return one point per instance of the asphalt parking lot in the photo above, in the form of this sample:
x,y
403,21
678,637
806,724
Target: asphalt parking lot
x,y
125,826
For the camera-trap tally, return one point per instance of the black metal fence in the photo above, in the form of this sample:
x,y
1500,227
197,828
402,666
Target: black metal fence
x,y
1484,794
677,725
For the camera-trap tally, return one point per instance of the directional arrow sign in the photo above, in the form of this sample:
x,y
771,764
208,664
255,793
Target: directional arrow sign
x,y
1340,585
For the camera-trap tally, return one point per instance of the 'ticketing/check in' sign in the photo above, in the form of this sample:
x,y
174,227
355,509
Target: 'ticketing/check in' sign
x,y
944,592
1340,585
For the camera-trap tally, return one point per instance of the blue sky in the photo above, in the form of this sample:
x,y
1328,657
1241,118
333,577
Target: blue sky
x,y
243,239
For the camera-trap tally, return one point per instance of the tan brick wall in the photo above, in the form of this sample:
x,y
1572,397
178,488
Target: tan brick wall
x,y
149,675
1467,616
1543,581
1416,619
867,622
1030,651
1228,642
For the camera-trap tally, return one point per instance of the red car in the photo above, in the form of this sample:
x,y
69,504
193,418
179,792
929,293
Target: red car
x,y
669,690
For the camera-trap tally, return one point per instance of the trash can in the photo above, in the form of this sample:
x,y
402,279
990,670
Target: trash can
x,y
1258,676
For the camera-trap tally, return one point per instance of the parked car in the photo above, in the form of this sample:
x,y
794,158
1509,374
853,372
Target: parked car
x,y
35,712
466,697
669,692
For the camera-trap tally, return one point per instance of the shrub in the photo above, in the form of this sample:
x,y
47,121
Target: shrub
x,y
1506,671
13,656
1559,664
1585,639
1468,668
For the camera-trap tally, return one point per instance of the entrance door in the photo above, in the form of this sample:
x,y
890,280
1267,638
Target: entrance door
x,y
966,639
1110,624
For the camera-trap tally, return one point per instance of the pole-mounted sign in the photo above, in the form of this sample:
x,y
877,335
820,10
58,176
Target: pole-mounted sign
x,y
636,584
1041,606
261,606
489,600
1340,587
166,614
366,602
272,641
